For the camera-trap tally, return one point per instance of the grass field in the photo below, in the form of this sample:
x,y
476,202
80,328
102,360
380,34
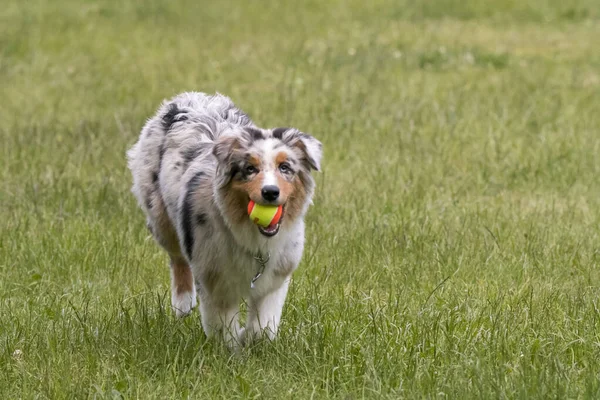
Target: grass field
x,y
453,250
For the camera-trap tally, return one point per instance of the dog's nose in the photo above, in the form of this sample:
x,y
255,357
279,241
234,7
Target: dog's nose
x,y
270,192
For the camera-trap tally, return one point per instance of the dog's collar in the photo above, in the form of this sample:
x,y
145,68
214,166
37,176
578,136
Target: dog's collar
x,y
262,262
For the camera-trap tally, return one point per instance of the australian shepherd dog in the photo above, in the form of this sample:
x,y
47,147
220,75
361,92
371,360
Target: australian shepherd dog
x,y
196,166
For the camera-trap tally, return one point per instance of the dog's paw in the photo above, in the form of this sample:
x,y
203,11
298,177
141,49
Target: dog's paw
x,y
183,303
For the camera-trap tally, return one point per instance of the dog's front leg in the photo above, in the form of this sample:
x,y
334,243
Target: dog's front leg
x,y
222,320
264,312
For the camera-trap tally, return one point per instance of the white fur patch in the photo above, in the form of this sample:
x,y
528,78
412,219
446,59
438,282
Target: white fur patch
x,y
183,303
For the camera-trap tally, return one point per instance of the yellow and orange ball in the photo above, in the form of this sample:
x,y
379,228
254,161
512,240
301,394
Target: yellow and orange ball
x,y
264,215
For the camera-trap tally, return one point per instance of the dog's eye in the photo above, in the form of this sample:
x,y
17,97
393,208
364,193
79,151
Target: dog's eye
x,y
285,168
251,169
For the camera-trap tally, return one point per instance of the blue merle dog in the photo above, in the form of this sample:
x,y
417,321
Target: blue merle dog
x,y
196,165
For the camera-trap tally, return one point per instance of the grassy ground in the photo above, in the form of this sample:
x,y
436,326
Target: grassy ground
x,y
453,250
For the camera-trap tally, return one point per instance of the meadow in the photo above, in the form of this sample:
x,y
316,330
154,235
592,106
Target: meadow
x,y
453,249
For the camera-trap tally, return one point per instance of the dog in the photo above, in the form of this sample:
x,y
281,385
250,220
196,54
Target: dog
x,y
197,164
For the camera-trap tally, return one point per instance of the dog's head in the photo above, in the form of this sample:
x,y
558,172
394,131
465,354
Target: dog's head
x,y
270,167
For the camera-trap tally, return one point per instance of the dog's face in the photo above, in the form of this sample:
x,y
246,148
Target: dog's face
x,y
270,167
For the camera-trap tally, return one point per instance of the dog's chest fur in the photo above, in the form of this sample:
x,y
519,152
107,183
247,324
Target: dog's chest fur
x,y
227,259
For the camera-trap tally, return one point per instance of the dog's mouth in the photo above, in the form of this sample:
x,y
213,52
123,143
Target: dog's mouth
x,y
272,229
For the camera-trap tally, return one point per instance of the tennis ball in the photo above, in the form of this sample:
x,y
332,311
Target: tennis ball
x,y
264,215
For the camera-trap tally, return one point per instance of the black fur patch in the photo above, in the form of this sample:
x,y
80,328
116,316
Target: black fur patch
x,y
278,132
169,118
201,219
255,134
234,171
239,171
154,177
186,214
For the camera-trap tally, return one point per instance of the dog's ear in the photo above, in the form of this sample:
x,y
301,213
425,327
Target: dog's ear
x,y
225,146
225,150
235,141
313,150
310,149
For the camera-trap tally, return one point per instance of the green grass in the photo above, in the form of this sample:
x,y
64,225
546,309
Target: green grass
x,y
453,250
